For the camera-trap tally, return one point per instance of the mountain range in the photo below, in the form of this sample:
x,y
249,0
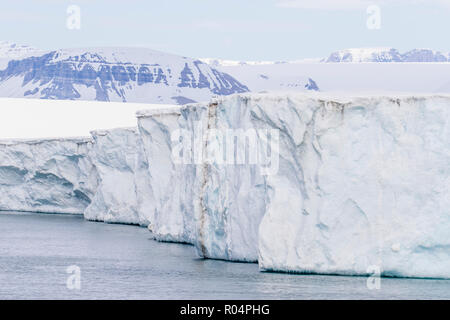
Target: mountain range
x,y
143,75
114,74
357,55
387,55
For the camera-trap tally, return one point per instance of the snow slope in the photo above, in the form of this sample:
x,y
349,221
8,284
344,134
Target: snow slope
x,y
357,78
147,76
10,51
52,175
418,70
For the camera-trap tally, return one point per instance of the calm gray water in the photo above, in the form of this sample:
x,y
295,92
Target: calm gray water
x,y
121,262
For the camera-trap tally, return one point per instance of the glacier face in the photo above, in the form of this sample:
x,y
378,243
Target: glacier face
x,y
198,201
232,192
115,74
174,185
122,195
51,176
211,205
362,182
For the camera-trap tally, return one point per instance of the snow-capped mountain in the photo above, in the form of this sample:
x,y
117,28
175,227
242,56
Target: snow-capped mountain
x,y
382,54
425,55
406,73
115,74
346,77
146,76
387,55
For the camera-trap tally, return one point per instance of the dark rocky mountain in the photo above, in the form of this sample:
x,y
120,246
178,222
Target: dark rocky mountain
x,y
115,74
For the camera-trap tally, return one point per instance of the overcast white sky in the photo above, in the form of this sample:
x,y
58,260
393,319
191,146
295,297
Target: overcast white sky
x,y
232,29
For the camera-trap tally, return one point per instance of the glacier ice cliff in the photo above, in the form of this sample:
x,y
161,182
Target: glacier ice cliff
x,y
197,201
47,175
233,193
352,184
361,182
174,186
123,194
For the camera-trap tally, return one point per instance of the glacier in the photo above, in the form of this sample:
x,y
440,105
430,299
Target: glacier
x,y
196,201
173,185
362,182
46,175
233,193
122,170
355,183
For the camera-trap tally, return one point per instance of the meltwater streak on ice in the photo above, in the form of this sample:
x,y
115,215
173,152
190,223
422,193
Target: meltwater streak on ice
x,y
121,262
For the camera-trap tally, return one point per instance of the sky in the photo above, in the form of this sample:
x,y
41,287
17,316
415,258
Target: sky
x,y
231,29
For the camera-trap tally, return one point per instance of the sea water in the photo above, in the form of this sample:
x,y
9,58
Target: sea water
x,y
44,256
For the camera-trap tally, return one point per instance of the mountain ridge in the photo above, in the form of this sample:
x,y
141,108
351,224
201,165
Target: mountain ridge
x,y
355,55
115,74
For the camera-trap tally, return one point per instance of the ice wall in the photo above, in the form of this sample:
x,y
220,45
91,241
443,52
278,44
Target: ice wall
x,y
363,184
233,193
174,185
47,175
123,194
216,207
353,185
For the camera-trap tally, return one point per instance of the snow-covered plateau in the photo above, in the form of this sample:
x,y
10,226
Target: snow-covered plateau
x,y
353,184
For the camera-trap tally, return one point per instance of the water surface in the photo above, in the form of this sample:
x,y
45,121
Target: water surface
x,y
122,262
